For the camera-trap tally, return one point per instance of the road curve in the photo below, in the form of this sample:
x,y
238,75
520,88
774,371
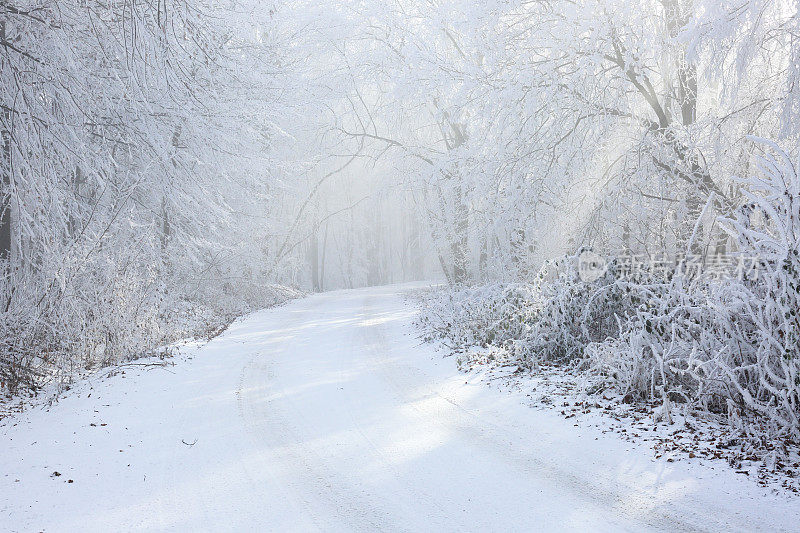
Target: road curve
x,y
328,414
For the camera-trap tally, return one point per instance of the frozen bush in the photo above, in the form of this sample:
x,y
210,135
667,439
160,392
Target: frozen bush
x,y
729,346
491,315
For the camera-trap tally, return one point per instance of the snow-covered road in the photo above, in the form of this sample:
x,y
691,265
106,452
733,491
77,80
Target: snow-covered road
x,y
328,414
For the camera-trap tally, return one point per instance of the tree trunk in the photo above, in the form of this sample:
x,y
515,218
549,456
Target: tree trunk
x,y
459,243
678,13
313,256
322,265
416,257
74,220
5,169
165,225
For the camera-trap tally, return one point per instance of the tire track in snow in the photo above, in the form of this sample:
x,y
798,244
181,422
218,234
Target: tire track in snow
x,y
274,421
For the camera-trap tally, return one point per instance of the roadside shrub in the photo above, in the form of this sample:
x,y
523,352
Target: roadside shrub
x,y
491,315
70,317
727,346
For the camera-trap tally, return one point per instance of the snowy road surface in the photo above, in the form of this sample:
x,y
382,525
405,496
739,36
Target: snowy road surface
x,y
328,414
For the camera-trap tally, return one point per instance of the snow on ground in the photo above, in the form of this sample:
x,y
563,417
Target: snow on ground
x,y
681,436
329,414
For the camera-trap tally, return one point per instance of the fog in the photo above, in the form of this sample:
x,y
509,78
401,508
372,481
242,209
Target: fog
x,y
169,166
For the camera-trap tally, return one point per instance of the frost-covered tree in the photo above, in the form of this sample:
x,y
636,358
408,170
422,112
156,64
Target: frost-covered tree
x,y
137,142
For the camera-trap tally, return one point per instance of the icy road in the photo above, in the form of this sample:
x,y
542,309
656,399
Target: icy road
x,y
328,414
